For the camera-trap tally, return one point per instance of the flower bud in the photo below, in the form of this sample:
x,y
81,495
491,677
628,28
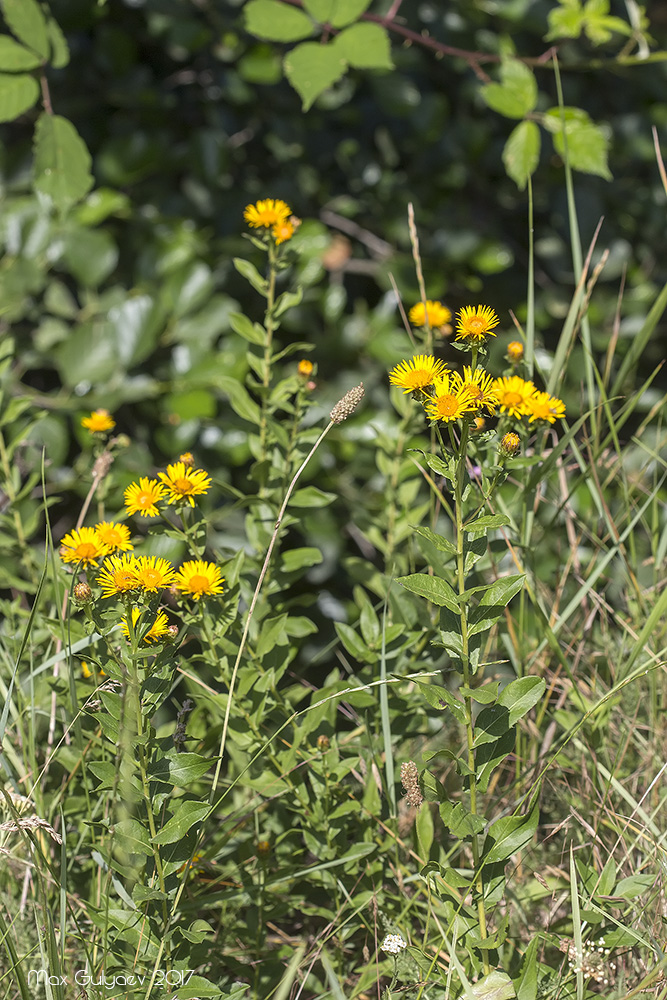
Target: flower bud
x,y
187,459
82,593
305,367
323,742
509,445
515,351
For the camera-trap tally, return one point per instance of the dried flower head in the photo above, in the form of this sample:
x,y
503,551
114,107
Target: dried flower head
x,y
410,782
346,406
187,458
82,593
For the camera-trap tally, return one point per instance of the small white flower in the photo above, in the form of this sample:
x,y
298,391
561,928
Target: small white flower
x,y
393,944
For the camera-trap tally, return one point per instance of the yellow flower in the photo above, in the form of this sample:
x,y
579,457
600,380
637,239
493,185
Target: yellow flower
x,y
197,578
114,537
509,445
542,406
267,214
98,422
513,394
481,386
82,546
451,399
282,231
184,483
154,573
118,575
142,497
417,372
159,628
476,323
515,351
305,368
437,314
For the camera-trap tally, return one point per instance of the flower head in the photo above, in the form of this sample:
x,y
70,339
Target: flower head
x,y
393,944
114,537
82,593
82,546
305,368
417,372
184,483
143,497
267,213
515,351
154,573
436,314
476,323
481,387
98,422
187,458
513,394
451,399
509,445
283,231
158,629
118,576
542,406
197,579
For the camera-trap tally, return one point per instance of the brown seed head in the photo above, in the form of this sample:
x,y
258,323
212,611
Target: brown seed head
x,y
348,404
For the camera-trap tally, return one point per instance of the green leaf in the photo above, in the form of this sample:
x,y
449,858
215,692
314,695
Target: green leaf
x,y
312,68
239,399
59,46
129,835
276,22
90,255
565,22
354,644
440,698
286,301
311,496
25,19
446,469
587,144
425,830
62,161
527,982
15,57
486,523
459,821
493,603
295,559
250,331
520,696
186,814
516,96
431,587
18,92
365,46
634,885
496,986
522,153
441,543
251,274
179,769
337,13
508,835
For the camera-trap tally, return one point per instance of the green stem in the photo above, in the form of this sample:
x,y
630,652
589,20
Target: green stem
x,y
268,347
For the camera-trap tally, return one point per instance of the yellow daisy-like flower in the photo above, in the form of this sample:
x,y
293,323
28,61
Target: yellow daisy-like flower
x,y
184,483
154,573
114,537
513,394
515,351
482,388
197,578
159,628
282,231
476,323
82,546
542,406
437,314
417,373
118,575
98,422
305,368
267,214
143,497
451,399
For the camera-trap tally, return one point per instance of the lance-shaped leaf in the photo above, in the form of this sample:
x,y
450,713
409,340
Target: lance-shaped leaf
x,y
493,602
508,835
432,588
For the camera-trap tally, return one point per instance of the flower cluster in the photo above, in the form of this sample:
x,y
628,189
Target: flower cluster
x,y
88,545
521,398
393,944
273,215
180,484
593,962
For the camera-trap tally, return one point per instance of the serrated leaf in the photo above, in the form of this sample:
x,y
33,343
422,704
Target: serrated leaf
x,y
516,95
26,21
432,588
18,92
276,22
186,814
312,68
15,57
587,148
365,46
522,153
62,161
508,835
337,13
59,46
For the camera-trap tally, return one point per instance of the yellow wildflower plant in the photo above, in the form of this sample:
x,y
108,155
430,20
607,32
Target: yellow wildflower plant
x,y
118,576
481,387
115,537
184,483
197,578
451,399
143,497
542,406
158,629
513,394
82,545
154,573
437,314
98,422
417,373
267,213
475,323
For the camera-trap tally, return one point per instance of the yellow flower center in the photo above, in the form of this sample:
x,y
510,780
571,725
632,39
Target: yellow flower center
x,y
476,394
124,580
476,325
512,399
151,577
183,485
144,499
447,405
199,583
86,550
